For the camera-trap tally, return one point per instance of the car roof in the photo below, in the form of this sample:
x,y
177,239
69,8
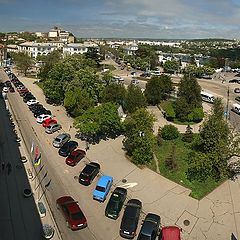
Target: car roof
x,y
171,233
104,180
147,228
88,168
62,135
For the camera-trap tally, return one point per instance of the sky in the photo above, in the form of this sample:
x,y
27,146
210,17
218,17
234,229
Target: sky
x,y
161,19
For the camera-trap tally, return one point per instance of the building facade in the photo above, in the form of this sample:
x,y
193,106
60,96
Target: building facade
x,y
78,48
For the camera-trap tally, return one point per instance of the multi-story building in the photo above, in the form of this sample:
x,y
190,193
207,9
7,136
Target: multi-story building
x,y
2,54
34,49
78,48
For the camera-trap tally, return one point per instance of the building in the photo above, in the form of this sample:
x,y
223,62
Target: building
x,y
12,48
60,35
78,48
130,49
34,49
3,54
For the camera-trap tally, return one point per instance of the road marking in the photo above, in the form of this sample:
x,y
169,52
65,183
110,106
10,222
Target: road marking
x,y
129,185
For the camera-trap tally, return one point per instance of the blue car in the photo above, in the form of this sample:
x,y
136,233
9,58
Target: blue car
x,y
102,188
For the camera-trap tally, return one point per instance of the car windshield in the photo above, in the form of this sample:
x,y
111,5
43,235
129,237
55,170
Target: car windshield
x,y
100,189
76,216
144,237
57,140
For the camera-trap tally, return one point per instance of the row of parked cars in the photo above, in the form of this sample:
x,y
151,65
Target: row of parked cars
x,y
75,218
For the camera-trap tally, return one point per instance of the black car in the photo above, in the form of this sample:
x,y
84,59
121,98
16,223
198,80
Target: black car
x,y
41,111
35,107
234,81
237,99
150,227
89,172
67,148
130,218
28,97
116,202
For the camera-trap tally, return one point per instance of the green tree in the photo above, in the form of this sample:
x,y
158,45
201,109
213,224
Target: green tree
x,y
181,109
139,138
93,53
190,90
99,121
135,99
23,61
115,93
158,88
77,100
213,147
169,132
170,66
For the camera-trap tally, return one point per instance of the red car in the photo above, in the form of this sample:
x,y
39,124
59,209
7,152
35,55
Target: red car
x,y
72,212
171,233
48,122
75,157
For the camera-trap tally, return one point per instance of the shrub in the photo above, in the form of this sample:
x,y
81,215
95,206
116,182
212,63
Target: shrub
x,y
188,135
169,132
170,161
196,115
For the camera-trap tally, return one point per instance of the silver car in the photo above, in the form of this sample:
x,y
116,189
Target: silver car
x,y
52,128
61,139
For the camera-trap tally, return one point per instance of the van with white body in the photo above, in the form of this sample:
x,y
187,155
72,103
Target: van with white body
x,y
236,108
207,97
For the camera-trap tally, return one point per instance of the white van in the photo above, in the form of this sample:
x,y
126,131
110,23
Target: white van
x,y
236,108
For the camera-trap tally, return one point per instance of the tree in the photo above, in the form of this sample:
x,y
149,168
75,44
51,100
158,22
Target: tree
x,y
48,62
93,53
23,61
77,100
169,132
170,66
134,99
190,90
158,88
100,121
139,138
115,93
213,147
181,109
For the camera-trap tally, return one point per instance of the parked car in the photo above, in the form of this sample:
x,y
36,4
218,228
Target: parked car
x,y
89,172
102,188
116,202
52,128
130,218
32,102
72,213
61,139
150,227
28,97
43,117
49,121
35,107
237,99
234,81
5,89
41,111
67,148
75,157
170,233
134,81
237,90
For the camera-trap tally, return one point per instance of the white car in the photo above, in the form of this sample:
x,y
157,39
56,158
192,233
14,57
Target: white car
x,y
5,89
32,101
43,117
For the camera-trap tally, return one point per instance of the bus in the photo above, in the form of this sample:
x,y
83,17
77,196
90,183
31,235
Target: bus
x,y
207,97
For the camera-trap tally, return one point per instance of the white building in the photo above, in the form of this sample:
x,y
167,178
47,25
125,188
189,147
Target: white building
x,y
34,49
130,49
12,48
77,48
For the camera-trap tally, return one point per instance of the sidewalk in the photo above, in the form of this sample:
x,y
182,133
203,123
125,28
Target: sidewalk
x,y
216,216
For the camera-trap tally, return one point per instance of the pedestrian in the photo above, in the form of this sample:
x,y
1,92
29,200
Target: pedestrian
x,y
3,166
87,146
9,168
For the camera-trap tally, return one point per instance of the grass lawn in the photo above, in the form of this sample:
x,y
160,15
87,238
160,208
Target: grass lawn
x,y
199,189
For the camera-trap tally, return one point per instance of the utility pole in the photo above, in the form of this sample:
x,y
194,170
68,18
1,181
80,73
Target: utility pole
x,y
227,107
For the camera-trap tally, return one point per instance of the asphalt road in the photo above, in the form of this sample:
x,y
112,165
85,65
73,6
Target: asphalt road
x,y
63,179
